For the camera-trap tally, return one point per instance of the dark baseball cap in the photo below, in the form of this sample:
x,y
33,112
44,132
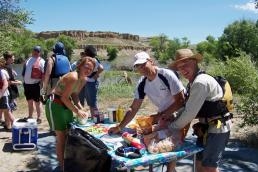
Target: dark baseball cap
x,y
90,50
37,48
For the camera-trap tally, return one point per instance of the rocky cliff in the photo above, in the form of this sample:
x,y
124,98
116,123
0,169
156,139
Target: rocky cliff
x,y
81,35
101,40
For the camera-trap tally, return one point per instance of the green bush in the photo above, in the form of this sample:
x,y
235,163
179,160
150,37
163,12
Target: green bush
x,y
242,74
248,109
243,77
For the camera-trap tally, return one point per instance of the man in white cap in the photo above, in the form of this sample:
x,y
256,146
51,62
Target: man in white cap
x,y
203,102
162,87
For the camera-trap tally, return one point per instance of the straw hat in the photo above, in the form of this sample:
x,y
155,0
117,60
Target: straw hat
x,y
184,54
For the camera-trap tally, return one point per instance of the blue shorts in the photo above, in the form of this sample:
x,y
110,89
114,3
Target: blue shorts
x,y
4,102
89,92
213,149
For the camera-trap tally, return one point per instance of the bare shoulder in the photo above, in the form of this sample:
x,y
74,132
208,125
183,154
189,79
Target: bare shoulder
x,y
71,77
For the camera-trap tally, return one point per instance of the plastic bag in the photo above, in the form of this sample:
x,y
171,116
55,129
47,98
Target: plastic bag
x,y
163,140
85,153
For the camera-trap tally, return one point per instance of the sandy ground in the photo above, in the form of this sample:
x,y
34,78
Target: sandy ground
x,y
237,156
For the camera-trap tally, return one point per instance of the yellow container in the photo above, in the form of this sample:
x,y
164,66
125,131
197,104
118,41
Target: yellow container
x,y
119,114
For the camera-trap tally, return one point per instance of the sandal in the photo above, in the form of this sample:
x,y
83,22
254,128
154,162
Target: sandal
x,y
7,129
39,121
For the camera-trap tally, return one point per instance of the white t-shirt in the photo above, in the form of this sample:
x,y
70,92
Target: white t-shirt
x,y
158,92
29,63
5,76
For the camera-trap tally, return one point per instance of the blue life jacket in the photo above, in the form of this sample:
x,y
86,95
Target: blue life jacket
x,y
61,66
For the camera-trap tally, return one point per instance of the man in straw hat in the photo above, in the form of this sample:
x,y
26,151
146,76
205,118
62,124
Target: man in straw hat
x,y
203,97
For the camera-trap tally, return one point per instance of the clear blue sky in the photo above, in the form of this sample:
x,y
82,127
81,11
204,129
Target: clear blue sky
x,y
174,18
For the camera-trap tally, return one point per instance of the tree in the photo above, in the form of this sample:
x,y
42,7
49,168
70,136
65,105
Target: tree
x,y
239,36
111,53
12,15
208,48
12,19
164,49
159,45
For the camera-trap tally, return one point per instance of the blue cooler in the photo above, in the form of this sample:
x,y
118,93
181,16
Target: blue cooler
x,y
25,135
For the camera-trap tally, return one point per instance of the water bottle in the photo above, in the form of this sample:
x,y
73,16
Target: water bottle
x,y
96,118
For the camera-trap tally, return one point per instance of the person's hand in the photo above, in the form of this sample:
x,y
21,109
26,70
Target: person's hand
x,y
19,82
114,130
164,122
156,118
43,91
82,114
168,117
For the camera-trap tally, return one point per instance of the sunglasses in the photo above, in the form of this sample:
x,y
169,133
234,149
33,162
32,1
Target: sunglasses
x,y
140,66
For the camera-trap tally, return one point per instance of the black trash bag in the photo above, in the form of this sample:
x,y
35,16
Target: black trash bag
x,y
85,153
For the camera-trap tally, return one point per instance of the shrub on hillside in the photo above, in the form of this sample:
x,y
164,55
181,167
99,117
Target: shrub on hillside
x,y
242,74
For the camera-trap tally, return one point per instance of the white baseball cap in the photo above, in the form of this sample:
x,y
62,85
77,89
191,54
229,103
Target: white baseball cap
x,y
141,58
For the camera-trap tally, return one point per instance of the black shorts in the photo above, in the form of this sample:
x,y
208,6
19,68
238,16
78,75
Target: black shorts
x,y
32,91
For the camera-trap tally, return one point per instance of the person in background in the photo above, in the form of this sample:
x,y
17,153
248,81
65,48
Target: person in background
x,y
64,102
204,96
56,66
162,87
32,73
13,89
4,97
90,90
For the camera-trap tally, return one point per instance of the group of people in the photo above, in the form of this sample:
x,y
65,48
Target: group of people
x,y
54,80
178,106
8,90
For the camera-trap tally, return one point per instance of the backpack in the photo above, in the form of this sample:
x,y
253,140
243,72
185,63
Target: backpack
x,y
36,72
61,66
13,89
163,79
211,109
85,153
227,92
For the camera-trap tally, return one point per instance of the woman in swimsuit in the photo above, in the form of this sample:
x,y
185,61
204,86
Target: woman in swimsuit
x,y
64,102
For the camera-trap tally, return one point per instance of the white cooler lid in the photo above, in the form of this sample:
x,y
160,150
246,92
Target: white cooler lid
x,y
32,123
